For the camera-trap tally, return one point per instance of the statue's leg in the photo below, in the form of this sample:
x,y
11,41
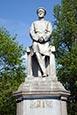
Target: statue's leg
x,y
41,62
39,72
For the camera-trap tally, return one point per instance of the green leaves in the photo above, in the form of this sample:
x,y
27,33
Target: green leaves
x,y
11,71
65,40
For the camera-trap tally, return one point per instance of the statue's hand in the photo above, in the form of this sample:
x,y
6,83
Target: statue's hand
x,y
41,39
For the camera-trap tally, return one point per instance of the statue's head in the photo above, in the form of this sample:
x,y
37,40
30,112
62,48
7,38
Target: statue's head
x,y
41,12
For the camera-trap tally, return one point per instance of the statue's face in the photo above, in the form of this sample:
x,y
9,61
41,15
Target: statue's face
x,y
41,14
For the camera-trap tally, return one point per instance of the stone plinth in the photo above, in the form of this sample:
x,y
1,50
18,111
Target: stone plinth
x,y
38,96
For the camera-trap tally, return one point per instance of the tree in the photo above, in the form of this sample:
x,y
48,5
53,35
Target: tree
x,y
65,40
11,71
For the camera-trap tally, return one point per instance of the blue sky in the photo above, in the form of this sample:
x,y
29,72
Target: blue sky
x,y
17,15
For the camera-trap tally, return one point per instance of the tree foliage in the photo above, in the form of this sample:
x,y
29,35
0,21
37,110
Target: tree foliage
x,y
11,71
65,40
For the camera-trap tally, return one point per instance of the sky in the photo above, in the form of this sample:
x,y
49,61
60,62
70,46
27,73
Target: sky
x,y
17,15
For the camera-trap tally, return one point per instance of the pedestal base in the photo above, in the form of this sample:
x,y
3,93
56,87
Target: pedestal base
x,y
38,96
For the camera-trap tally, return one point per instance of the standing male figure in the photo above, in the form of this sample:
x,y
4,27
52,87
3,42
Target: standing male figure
x,y
40,33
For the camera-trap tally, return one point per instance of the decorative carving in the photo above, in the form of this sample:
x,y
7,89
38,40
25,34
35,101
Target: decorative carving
x,y
41,104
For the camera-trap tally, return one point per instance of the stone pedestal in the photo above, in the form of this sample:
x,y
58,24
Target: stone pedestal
x,y
41,96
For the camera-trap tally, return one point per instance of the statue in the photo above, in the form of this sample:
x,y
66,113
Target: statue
x,y
41,60
41,92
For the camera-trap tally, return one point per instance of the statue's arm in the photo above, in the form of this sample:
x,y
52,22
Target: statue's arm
x,y
48,32
33,33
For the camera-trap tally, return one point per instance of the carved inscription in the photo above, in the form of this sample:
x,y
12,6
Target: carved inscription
x,y
40,103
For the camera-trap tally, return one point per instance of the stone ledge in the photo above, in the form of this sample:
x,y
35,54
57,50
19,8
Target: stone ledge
x,y
41,86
